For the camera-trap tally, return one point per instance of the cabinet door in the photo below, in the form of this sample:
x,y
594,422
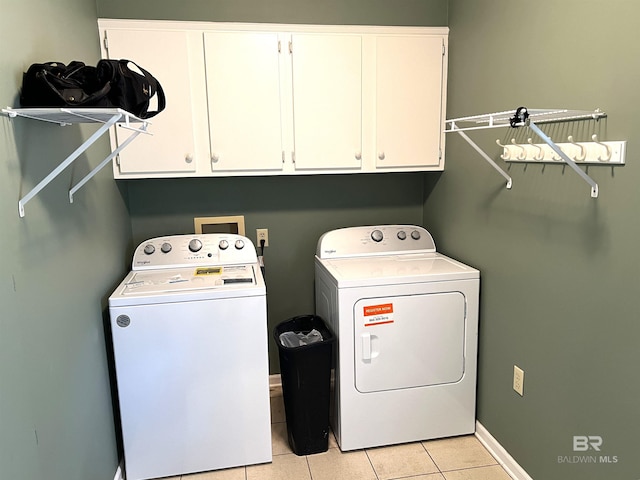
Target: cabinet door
x,y
327,101
171,147
409,99
243,98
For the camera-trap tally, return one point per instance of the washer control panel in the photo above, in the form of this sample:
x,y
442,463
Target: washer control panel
x,y
375,240
176,251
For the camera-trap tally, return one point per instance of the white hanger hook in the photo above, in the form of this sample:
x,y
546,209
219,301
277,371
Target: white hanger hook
x,y
540,154
554,156
583,151
505,154
523,153
607,148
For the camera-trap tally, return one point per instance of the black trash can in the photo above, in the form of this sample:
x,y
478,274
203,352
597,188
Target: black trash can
x,y
306,383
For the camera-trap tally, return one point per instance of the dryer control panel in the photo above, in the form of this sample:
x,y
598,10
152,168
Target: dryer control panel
x,y
375,240
176,251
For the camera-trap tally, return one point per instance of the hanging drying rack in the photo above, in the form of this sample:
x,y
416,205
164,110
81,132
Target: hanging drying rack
x,y
68,116
523,117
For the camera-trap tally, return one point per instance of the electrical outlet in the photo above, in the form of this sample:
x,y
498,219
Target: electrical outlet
x,y
262,234
518,380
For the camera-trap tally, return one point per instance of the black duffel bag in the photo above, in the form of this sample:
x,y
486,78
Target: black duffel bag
x,y
54,84
111,84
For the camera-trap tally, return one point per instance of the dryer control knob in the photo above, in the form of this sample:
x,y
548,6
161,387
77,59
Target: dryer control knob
x,y
223,245
402,235
149,249
415,235
195,245
166,247
377,236
239,244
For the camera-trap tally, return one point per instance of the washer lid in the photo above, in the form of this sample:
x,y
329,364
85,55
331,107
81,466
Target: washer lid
x,y
395,269
199,278
188,284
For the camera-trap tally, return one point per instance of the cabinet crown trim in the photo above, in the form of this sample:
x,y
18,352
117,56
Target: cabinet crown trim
x,y
270,27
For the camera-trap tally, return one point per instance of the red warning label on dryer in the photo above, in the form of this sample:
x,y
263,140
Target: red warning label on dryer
x,y
378,314
378,309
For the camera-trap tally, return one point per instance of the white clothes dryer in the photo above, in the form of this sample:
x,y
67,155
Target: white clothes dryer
x,y
406,322
189,329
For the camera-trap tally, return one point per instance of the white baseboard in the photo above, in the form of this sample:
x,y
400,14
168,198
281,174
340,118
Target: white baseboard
x,y
507,462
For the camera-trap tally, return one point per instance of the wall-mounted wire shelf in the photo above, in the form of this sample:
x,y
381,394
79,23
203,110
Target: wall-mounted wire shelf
x,y
68,116
522,117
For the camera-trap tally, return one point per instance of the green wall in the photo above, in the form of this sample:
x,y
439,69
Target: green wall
x,y
58,265
559,269
328,12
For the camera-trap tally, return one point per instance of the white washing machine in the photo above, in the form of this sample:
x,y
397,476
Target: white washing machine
x,y
189,327
406,322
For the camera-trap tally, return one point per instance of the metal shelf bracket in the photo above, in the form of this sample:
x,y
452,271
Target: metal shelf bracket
x,y
482,153
108,117
567,160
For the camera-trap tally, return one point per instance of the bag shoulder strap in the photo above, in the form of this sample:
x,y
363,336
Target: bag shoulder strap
x,y
162,103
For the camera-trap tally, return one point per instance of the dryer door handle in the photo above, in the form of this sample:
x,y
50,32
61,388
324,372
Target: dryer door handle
x,y
366,347
369,350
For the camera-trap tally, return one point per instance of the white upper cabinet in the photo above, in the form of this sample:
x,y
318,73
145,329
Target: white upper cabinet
x,y
172,57
244,100
327,101
409,96
263,99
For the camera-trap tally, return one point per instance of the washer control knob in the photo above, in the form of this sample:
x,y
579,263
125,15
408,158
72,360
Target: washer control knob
x,y
223,245
377,236
415,235
402,235
166,247
239,244
149,249
195,245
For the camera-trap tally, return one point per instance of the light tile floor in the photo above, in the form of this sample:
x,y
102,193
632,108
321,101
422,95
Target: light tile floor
x,y
459,458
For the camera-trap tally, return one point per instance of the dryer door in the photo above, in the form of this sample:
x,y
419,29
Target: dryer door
x,y
409,341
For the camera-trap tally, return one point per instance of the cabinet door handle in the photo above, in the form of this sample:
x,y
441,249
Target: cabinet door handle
x,y
381,155
358,155
215,158
188,158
